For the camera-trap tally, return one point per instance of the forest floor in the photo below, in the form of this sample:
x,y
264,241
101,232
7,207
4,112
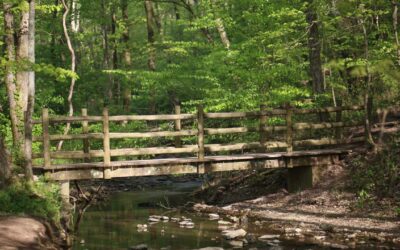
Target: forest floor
x,y
24,233
329,212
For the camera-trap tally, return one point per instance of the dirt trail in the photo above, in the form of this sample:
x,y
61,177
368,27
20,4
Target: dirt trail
x,y
20,233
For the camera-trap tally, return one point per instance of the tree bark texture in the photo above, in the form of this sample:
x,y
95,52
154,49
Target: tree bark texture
x,y
314,47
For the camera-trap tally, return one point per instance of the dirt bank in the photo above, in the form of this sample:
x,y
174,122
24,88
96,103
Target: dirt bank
x,y
24,233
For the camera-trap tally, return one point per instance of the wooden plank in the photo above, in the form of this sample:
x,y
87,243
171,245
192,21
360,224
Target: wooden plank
x,y
324,125
46,138
75,175
328,141
85,131
231,147
151,170
154,151
208,159
200,130
106,144
249,114
72,119
153,134
121,135
77,154
72,137
328,109
219,131
231,115
151,117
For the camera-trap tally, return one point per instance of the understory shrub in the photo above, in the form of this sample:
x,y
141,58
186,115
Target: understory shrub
x,y
38,199
377,176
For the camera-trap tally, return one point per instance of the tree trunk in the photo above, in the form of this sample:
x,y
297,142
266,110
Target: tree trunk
x,y
222,33
75,17
314,47
31,95
5,165
10,74
395,5
73,69
127,60
22,76
114,81
220,27
367,97
151,62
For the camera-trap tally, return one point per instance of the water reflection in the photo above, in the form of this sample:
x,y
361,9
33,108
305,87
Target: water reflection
x,y
113,224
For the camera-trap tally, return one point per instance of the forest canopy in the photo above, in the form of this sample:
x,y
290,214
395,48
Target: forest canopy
x,y
144,57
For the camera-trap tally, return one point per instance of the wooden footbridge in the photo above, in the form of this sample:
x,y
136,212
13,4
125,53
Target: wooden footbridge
x,y
268,138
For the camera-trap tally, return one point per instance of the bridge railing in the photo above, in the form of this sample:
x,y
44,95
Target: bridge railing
x,y
264,143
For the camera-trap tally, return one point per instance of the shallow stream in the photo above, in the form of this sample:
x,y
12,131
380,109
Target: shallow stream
x,y
113,224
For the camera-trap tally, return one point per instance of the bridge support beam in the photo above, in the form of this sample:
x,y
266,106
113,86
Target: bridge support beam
x,y
300,178
64,192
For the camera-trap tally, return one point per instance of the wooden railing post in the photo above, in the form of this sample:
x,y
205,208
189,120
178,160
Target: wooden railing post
x,y
85,130
289,133
338,131
200,135
178,127
263,125
289,129
46,138
106,145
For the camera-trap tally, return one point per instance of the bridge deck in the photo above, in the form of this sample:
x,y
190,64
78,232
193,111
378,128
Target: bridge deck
x,y
188,165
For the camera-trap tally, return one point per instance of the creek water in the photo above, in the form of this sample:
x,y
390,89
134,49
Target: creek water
x,y
113,224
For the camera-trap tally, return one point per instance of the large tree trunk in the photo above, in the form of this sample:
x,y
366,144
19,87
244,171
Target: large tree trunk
x,y
314,47
31,94
22,76
10,74
5,165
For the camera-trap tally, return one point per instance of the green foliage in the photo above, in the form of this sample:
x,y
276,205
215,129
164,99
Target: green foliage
x,y
40,198
378,175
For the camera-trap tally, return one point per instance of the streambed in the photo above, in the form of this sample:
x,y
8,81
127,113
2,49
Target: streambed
x,y
113,224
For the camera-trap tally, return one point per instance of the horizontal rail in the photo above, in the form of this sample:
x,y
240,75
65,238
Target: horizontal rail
x,y
70,137
328,141
151,117
328,109
212,148
120,135
191,132
324,125
218,131
72,119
